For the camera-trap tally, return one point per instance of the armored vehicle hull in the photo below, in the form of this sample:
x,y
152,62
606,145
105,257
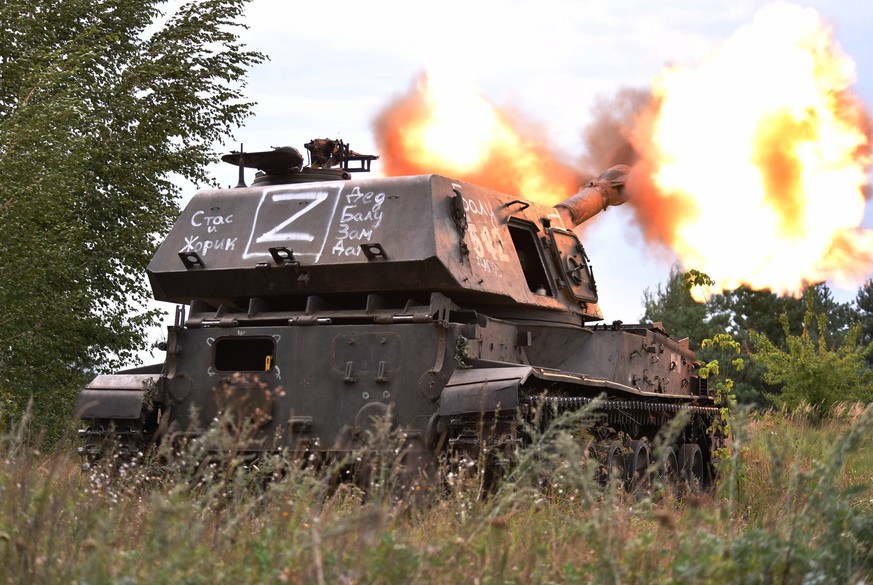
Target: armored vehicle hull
x,y
310,309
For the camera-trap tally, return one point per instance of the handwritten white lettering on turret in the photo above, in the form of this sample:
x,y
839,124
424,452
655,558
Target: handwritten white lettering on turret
x,y
360,216
202,247
481,208
210,223
484,237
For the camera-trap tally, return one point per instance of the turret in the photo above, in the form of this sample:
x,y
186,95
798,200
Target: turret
x,y
303,235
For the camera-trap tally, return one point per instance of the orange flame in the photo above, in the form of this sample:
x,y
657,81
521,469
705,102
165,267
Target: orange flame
x,y
753,165
444,125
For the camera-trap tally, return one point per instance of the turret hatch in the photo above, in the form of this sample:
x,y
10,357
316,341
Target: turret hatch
x,y
576,274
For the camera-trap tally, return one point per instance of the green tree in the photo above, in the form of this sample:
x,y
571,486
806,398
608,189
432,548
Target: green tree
x,y
102,104
761,311
741,313
812,371
745,310
864,311
673,306
756,310
682,316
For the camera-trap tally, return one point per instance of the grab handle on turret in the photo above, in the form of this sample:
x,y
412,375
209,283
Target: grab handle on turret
x,y
607,189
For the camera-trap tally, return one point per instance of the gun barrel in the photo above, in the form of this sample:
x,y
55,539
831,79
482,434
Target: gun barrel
x,y
607,189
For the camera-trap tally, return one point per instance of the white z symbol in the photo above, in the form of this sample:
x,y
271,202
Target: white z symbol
x,y
276,234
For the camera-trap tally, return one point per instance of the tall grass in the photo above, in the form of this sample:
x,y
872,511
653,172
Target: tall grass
x,y
794,505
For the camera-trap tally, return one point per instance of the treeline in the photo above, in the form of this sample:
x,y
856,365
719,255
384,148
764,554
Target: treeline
x,y
807,350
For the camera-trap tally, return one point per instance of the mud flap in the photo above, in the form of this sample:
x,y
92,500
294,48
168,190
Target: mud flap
x,y
481,390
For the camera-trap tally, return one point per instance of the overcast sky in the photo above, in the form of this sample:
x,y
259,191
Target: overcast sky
x,y
335,65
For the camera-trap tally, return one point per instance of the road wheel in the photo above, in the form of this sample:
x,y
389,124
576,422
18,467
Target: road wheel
x,y
638,464
691,474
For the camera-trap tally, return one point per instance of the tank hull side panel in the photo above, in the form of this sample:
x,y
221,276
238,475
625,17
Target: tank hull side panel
x,y
646,360
323,381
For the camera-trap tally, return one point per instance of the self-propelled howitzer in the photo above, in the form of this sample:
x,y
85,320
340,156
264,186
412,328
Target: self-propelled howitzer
x,y
310,304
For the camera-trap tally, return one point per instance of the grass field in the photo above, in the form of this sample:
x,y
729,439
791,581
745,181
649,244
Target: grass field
x,y
794,505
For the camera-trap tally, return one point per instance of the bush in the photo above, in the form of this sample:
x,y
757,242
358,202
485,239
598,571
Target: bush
x,y
811,372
